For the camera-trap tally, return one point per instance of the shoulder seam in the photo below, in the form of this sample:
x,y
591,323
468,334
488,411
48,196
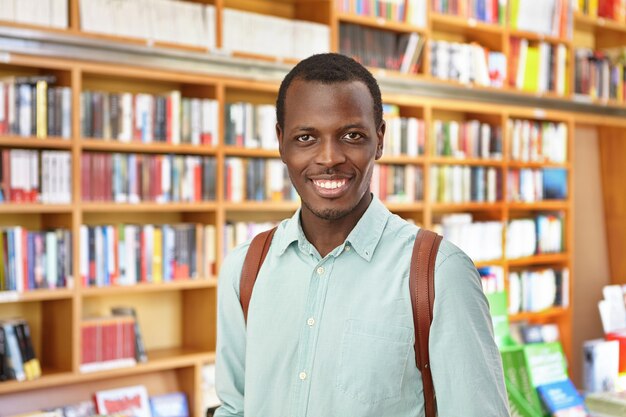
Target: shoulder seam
x,y
456,252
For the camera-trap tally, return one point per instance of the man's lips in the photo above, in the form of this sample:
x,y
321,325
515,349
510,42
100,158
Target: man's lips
x,y
330,187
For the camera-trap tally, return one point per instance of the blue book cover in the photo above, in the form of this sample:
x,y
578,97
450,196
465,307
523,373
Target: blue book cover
x,y
554,184
562,399
169,405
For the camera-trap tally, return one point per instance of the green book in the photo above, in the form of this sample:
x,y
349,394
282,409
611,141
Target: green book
x,y
531,72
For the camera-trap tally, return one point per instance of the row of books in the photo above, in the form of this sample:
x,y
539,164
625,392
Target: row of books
x,y
31,106
18,360
236,233
132,178
481,241
250,125
547,17
532,185
257,179
149,118
534,236
398,183
404,135
271,35
32,260
126,254
533,141
107,343
412,12
469,139
537,290
467,63
193,23
488,11
609,9
598,74
538,67
52,13
464,184
381,48
35,176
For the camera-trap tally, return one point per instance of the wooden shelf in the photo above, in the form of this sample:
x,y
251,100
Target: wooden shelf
x,y
32,142
466,161
471,206
495,262
262,206
546,315
250,152
35,295
263,57
598,24
102,145
550,258
379,23
111,207
19,208
401,160
158,360
397,206
488,34
141,288
538,37
541,205
519,164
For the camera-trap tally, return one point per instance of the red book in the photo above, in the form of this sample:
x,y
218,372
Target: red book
x,y
197,181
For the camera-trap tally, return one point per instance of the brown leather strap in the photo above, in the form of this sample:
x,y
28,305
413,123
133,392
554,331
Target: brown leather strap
x,y
257,252
422,286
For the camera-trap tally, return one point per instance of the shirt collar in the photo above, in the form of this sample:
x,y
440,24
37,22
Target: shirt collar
x,y
363,238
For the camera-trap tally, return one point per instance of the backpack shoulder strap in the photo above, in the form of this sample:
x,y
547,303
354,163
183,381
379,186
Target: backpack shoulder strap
x,y
422,286
257,252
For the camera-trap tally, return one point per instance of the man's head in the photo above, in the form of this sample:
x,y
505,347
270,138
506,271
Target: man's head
x,y
330,132
329,69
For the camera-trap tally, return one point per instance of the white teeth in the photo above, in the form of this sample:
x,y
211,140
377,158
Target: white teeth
x,y
330,185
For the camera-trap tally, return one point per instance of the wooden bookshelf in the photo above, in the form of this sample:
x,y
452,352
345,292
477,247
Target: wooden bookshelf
x,y
189,324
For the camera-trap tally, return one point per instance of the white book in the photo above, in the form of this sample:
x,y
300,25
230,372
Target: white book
x,y
7,10
130,236
211,27
196,121
600,365
66,112
175,98
521,64
59,13
51,259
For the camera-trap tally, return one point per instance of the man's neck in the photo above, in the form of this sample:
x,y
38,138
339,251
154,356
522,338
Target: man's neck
x,y
325,235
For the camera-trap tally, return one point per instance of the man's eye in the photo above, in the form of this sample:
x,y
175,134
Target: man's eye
x,y
353,136
304,138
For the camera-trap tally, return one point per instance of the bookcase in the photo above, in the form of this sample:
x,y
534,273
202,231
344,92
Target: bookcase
x,y
178,318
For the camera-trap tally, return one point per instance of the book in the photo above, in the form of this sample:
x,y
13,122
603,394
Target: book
x,y
561,399
169,405
140,350
554,183
81,409
600,365
607,404
128,401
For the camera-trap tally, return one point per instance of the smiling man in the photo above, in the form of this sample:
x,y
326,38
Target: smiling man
x,y
329,331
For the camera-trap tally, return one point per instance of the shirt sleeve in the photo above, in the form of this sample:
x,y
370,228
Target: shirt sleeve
x,y
231,337
465,361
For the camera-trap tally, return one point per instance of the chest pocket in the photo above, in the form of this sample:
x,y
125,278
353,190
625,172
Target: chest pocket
x,y
372,361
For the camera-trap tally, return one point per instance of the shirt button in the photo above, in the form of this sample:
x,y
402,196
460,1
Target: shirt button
x,y
320,270
347,248
302,376
310,321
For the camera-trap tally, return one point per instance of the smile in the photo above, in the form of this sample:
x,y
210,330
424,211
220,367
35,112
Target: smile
x,y
331,185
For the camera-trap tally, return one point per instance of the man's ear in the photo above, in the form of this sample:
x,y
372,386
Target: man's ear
x,y
279,135
381,139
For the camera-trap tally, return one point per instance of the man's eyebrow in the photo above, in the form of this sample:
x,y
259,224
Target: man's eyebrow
x,y
352,126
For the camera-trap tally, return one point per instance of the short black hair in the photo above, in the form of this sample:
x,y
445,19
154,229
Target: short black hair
x,y
329,68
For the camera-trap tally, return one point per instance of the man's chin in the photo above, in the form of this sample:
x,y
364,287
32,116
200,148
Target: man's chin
x,y
328,213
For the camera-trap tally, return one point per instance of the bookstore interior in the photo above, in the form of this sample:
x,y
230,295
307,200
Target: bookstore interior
x,y
138,147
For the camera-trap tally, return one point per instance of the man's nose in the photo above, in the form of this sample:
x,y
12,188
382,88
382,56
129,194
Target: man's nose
x,y
331,153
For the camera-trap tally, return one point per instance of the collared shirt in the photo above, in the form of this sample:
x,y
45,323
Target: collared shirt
x,y
333,336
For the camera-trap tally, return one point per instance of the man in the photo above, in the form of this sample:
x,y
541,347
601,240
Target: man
x,y
330,329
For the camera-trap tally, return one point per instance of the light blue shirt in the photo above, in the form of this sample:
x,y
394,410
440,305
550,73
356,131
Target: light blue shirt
x,y
333,336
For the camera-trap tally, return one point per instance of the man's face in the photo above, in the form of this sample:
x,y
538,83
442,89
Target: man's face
x,y
329,143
